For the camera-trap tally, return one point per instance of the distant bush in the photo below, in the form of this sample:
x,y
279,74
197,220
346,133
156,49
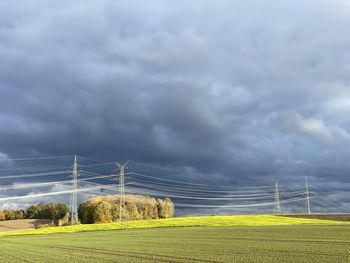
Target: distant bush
x,y
11,214
105,209
54,211
59,210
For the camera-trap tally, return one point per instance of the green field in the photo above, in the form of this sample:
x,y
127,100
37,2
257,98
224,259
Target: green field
x,y
193,244
205,239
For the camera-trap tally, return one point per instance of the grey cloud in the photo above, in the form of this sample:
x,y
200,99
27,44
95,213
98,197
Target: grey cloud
x,y
239,91
312,127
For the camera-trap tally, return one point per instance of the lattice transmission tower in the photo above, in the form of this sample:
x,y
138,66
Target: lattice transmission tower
x,y
73,204
121,196
277,198
307,197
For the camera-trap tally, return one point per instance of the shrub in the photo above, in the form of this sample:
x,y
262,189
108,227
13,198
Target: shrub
x,y
102,212
104,209
32,212
59,211
9,214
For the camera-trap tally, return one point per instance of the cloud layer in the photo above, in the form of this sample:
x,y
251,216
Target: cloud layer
x,y
240,92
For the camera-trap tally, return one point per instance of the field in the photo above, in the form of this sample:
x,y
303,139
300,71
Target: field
x,y
15,225
308,243
204,221
205,239
336,217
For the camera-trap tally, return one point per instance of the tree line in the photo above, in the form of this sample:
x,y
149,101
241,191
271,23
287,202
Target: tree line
x,y
54,211
100,209
105,209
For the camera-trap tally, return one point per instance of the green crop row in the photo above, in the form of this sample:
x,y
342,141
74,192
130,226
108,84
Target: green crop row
x,y
298,243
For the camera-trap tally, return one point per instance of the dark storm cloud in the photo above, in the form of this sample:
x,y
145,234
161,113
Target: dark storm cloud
x,y
240,92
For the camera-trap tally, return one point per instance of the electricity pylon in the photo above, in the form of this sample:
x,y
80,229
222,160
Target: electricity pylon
x,y
277,198
307,197
121,195
73,205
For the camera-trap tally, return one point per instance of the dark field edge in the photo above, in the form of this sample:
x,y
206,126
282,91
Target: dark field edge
x,y
334,217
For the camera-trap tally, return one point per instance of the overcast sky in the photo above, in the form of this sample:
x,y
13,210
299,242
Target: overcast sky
x,y
221,92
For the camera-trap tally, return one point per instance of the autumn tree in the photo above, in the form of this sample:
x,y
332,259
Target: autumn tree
x,y
2,215
103,209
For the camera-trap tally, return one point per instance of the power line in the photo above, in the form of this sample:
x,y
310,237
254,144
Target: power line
x,y
35,168
329,200
204,194
96,164
209,192
169,190
34,174
200,190
35,158
91,173
194,184
35,185
199,197
99,177
55,193
190,196
237,206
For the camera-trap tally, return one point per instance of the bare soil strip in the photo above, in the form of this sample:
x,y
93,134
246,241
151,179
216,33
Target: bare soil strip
x,y
335,217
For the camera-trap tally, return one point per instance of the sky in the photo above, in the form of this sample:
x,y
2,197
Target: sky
x,y
231,93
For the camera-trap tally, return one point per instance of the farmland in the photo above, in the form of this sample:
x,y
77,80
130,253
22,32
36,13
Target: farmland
x,y
15,225
262,238
335,217
199,221
304,243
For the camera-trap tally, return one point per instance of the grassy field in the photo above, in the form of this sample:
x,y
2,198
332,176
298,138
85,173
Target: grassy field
x,y
204,221
262,238
303,243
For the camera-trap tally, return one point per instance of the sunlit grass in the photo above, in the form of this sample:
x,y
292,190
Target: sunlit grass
x,y
200,221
